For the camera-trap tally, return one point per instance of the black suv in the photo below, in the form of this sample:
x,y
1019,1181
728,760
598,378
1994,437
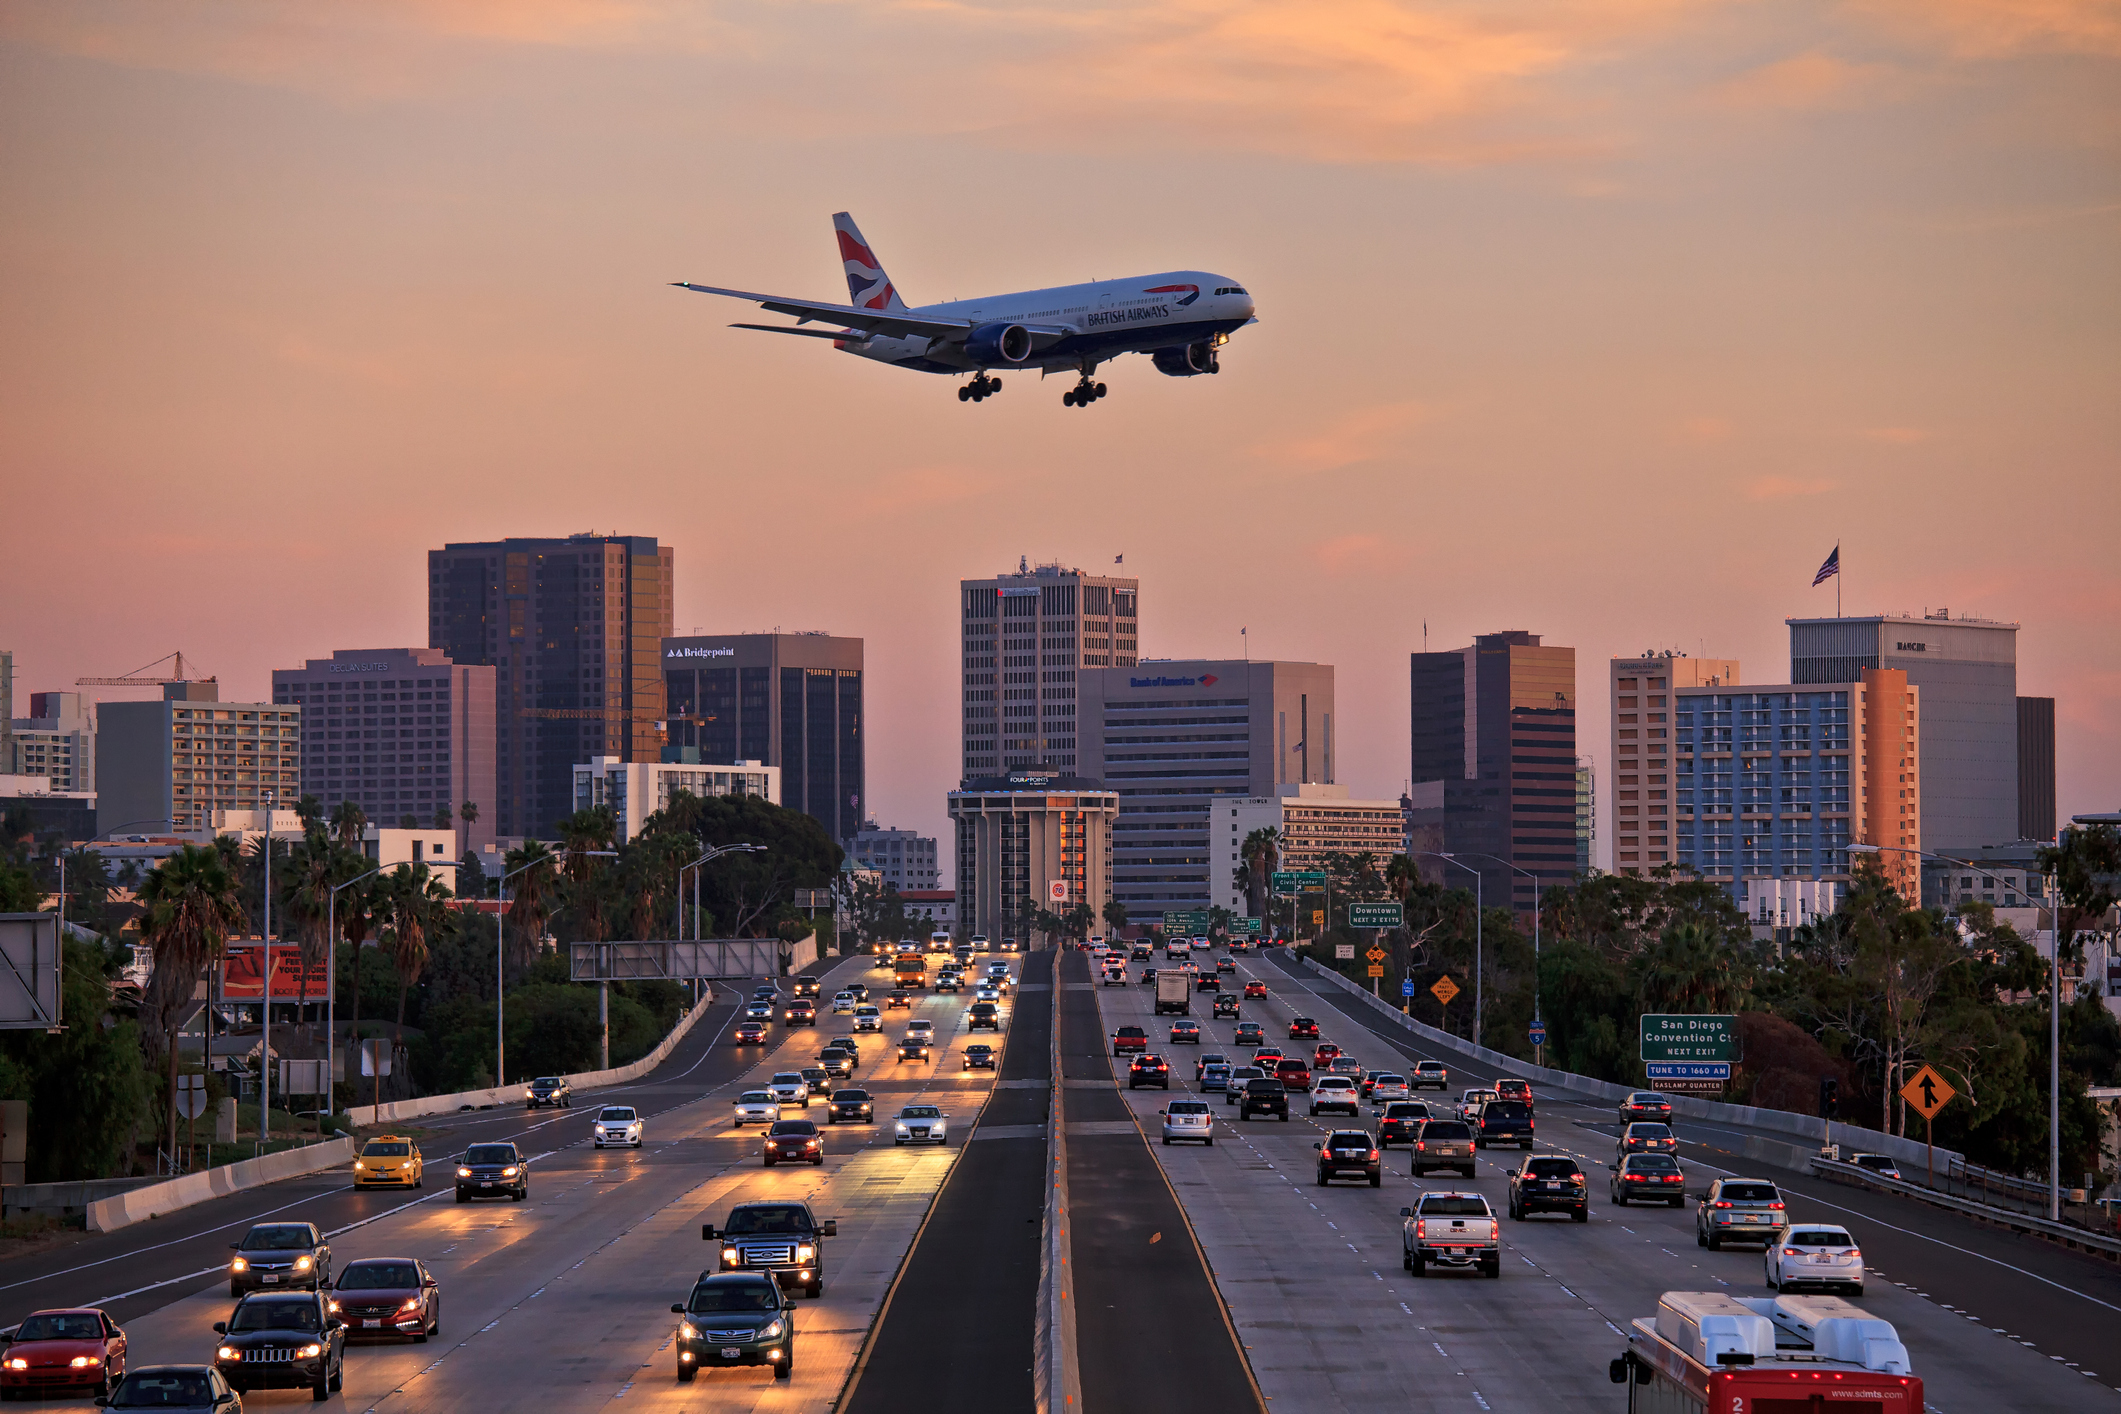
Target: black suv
x,y
1503,1122
781,1238
735,1318
493,1171
279,1255
1264,1097
548,1090
806,986
1149,1070
1401,1123
852,1105
283,1340
1549,1185
1349,1153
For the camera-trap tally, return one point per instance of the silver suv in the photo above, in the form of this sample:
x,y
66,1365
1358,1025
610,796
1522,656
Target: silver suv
x,y
1739,1210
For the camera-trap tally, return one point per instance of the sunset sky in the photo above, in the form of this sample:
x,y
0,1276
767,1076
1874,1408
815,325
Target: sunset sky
x,y
1604,320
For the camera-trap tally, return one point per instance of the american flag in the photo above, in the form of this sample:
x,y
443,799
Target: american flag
x,y
1828,570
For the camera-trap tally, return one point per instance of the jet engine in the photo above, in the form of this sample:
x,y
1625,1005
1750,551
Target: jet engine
x,y
1187,360
998,343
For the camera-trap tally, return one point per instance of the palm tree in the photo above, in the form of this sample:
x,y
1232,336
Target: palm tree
x,y
192,904
347,822
356,911
1262,848
412,898
306,897
533,905
582,831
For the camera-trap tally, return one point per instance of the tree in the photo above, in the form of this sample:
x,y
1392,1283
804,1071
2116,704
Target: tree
x,y
752,893
310,811
87,1086
580,833
192,907
1262,848
533,904
1115,913
313,868
443,819
347,823
408,821
412,899
468,812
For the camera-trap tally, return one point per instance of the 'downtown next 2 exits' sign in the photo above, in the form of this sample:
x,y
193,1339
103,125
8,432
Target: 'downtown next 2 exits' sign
x,y
1689,1038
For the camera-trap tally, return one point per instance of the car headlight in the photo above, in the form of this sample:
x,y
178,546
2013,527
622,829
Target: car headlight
x,y
804,1254
729,1256
510,1172
774,1330
303,1264
82,1362
686,1332
18,1363
358,1165
239,1265
310,1351
412,1303
463,1173
902,1127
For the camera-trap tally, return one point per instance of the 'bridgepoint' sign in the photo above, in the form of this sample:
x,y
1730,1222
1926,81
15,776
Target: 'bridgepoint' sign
x,y
1689,1038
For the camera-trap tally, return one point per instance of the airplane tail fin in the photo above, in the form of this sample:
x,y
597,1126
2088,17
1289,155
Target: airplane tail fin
x,y
868,287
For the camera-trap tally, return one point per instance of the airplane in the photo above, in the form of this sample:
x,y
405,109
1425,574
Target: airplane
x,y
1180,318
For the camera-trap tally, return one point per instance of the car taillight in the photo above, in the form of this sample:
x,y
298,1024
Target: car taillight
x,y
1855,1254
1421,1144
1373,1155
1676,1178
1776,1206
1421,1227
1721,1204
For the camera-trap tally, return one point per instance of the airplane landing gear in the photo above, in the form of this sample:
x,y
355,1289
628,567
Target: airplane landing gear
x,y
1083,393
979,388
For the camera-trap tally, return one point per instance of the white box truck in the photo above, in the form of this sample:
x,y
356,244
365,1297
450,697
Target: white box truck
x,y
1174,992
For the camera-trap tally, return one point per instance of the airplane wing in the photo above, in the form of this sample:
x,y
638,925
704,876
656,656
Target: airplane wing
x,y
897,324
851,336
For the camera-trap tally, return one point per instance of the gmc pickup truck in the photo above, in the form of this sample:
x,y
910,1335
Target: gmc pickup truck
x,y
1456,1230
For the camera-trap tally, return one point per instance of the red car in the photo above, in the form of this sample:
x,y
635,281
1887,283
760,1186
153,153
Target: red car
x,y
1293,1074
388,1296
1129,1038
1324,1054
54,1351
1255,989
751,1033
1303,1028
1267,1057
1515,1090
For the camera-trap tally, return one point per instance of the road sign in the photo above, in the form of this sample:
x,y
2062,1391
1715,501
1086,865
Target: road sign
x,y
1444,990
1376,970
1344,951
1318,917
191,1096
1927,1093
1377,954
1539,1035
1057,890
1406,987
1245,925
30,980
1672,1072
1285,880
1689,1038
1375,915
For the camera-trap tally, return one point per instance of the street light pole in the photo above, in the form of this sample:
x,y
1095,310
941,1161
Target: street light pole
x,y
1538,1051
1480,908
265,992
708,854
331,986
2049,885
500,953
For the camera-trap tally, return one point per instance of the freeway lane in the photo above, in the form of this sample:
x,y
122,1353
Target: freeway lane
x,y
570,1290
2065,1303
1332,1322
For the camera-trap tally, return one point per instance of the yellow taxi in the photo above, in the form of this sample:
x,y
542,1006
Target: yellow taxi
x,y
389,1161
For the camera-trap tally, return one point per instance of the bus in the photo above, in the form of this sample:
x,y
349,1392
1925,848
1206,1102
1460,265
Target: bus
x,y
911,971
1707,1352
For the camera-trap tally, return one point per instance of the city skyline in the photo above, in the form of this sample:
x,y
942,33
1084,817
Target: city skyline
x,y
1741,283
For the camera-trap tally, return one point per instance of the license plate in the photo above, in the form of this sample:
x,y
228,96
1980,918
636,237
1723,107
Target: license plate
x,y
486,1183
1550,1185
371,1323
269,1280
1828,1261
1749,1218
730,1352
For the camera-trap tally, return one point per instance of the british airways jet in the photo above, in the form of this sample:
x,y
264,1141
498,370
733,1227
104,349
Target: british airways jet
x,y
1179,318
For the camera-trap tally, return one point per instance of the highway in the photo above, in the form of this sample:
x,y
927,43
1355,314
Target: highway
x,y
1329,1321
569,1292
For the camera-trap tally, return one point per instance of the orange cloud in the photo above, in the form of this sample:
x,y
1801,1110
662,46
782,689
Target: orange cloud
x,y
1895,436
1358,554
1814,80
1356,436
1781,488
1703,432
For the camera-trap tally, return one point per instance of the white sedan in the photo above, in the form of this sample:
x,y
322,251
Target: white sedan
x,y
790,1088
1815,1254
756,1107
921,1124
923,1029
843,1001
619,1124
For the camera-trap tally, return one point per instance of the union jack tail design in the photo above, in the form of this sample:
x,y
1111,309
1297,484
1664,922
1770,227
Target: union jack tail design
x,y
868,287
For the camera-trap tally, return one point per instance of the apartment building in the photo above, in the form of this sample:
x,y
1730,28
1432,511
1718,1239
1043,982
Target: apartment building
x,y
905,859
57,741
1640,690
635,790
1024,639
171,764
1312,821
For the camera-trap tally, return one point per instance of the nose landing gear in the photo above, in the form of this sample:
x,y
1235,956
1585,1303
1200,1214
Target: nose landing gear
x,y
978,389
1083,393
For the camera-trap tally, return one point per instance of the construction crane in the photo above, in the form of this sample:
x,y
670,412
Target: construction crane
x,y
140,677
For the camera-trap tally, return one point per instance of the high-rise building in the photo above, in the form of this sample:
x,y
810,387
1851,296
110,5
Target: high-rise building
x,y
1495,722
1027,841
1776,782
172,764
398,731
1025,636
1967,671
1311,822
1640,690
2036,768
7,711
57,741
1586,814
905,859
790,700
634,790
1175,739
574,627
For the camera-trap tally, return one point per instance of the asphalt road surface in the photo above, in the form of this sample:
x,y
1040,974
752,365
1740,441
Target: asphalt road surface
x,y
1331,1322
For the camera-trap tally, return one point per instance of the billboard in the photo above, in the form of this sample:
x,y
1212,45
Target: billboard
x,y
30,960
242,967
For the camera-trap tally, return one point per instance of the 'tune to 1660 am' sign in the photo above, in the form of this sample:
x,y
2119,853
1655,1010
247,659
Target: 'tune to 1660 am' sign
x,y
1668,1037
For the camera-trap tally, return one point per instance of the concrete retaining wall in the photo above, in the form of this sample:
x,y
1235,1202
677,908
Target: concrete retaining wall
x,y
152,1201
62,1200
1806,1131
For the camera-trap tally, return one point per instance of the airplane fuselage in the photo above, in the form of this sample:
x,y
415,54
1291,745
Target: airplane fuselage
x,y
1078,325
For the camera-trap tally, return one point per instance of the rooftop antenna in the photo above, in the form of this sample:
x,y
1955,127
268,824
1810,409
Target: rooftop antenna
x,y
1023,564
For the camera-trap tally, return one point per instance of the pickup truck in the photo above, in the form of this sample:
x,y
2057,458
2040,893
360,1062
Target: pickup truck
x,y
1456,1230
1129,1038
783,1238
1172,994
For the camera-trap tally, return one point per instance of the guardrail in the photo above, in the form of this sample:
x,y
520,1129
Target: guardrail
x,y
154,1200
2082,1239
1811,1132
